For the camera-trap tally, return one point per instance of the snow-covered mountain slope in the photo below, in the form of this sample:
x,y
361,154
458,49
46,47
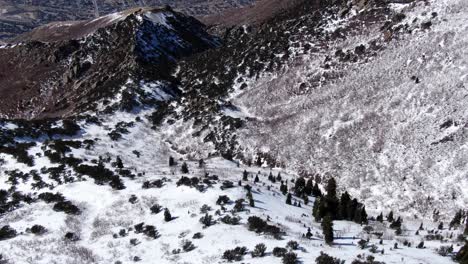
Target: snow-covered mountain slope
x,y
390,127
358,91
373,96
106,228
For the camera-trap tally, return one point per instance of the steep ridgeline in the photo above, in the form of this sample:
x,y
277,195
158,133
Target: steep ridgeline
x,y
63,68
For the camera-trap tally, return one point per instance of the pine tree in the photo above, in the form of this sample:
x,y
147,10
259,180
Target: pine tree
x,y
245,176
288,199
421,227
251,202
331,199
167,215
309,187
456,221
316,192
278,178
184,169
256,179
283,189
357,218
259,162
299,186
201,163
441,226
308,234
306,199
466,227
462,255
171,161
396,224
119,163
363,215
331,189
327,228
343,206
390,217
315,210
352,207
270,177
380,218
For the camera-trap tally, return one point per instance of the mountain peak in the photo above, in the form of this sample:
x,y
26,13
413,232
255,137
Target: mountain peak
x,y
67,65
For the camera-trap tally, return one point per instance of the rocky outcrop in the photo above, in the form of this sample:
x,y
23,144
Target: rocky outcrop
x,y
53,74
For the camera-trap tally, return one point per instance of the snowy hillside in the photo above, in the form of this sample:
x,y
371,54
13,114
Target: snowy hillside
x,y
391,127
326,130
103,229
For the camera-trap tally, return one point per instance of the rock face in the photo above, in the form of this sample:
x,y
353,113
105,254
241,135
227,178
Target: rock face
x,y
77,65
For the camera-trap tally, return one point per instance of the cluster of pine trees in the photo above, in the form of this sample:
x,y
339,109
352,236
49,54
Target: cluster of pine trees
x,y
343,208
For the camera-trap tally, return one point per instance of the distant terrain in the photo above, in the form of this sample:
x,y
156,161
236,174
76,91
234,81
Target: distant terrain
x,y
17,17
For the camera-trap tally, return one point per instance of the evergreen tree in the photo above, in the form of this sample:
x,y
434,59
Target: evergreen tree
x,y
306,199
456,221
171,161
167,215
184,169
308,234
283,189
357,218
462,255
327,228
201,163
352,207
441,226
278,178
466,227
396,224
390,217
316,192
343,206
331,199
380,217
316,210
259,162
309,187
288,199
245,176
119,163
421,227
331,189
299,186
251,202
363,216
256,179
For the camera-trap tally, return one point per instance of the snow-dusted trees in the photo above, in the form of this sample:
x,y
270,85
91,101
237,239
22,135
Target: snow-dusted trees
x,y
338,209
